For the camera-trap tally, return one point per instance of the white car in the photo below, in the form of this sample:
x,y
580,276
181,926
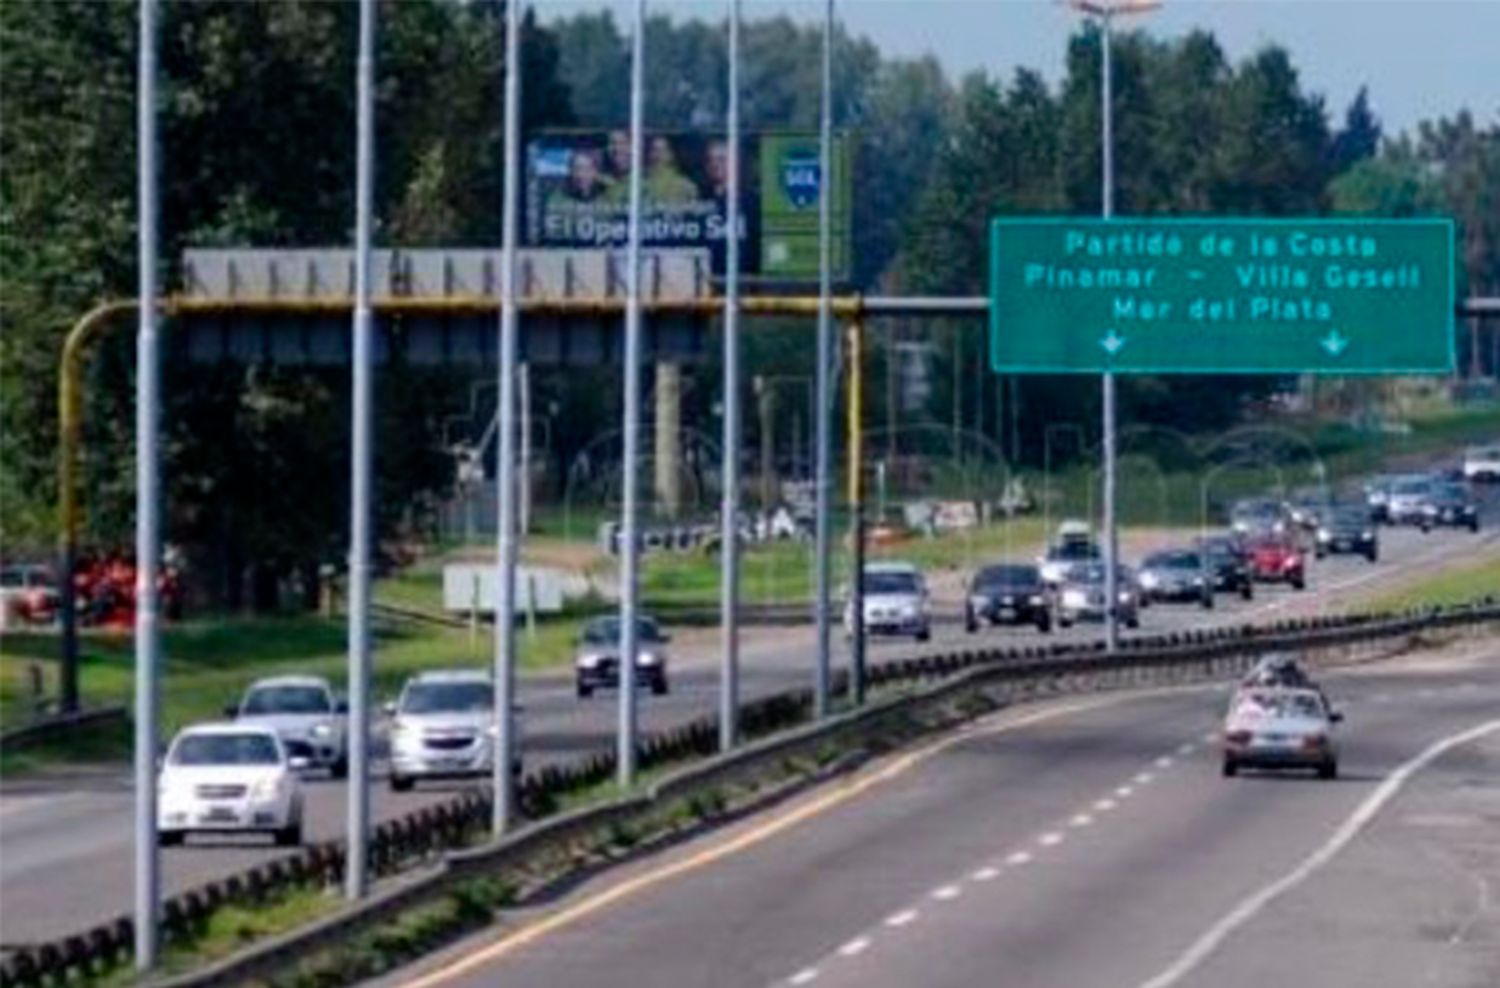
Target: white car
x,y
228,778
1482,463
312,723
1280,727
895,602
443,727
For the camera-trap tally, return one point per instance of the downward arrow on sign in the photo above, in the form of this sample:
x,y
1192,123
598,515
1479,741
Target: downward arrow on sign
x,y
1112,343
1334,343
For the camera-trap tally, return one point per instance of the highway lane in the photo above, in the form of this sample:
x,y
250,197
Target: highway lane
x,y
1095,848
65,856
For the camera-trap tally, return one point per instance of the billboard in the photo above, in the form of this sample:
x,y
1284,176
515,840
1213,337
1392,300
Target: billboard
x,y
578,195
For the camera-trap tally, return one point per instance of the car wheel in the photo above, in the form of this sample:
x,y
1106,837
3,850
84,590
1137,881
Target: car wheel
x,y
1474,525
402,783
970,624
659,686
1247,592
1328,770
1230,768
1425,528
1319,554
340,768
290,835
1064,623
1207,601
924,634
1372,556
1299,583
1132,622
585,691
170,838
1044,625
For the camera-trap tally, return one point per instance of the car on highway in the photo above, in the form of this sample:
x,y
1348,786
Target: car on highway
x,y
1482,463
1177,576
1377,492
896,602
1347,528
1008,593
1449,505
1229,564
442,727
29,592
1080,597
1306,510
1281,728
1277,560
596,658
1408,498
1259,516
228,779
1074,544
304,712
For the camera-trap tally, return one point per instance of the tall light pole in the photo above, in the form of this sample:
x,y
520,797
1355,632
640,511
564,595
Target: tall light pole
x,y
147,503
361,459
822,479
1106,12
503,809
729,547
629,548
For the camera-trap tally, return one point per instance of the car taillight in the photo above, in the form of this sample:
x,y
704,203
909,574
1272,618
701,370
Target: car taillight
x,y
1237,737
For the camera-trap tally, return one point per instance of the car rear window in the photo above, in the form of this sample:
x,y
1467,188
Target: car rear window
x,y
892,583
226,749
287,700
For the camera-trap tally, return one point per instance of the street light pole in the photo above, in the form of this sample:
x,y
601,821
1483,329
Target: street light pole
x,y
824,430
729,546
630,548
1106,13
362,457
503,783
147,505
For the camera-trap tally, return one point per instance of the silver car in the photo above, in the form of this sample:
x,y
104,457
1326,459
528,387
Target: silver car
x,y
442,727
895,602
1081,596
1279,727
303,711
597,660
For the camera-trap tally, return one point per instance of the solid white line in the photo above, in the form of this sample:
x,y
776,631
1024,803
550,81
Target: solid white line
x,y
1018,858
803,976
1105,805
855,946
901,919
946,892
1050,839
986,874
1247,910
1081,820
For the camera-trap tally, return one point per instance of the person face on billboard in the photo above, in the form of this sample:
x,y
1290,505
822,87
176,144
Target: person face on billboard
x,y
585,183
619,153
716,166
666,185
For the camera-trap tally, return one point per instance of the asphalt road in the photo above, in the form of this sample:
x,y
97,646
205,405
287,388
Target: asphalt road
x,y
65,848
1088,842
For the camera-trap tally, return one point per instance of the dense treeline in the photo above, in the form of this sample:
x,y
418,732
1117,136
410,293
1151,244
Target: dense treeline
x,y
256,118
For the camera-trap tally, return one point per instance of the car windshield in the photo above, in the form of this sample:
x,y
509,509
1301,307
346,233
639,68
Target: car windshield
x,y
1007,576
606,631
447,698
11,578
1093,573
1073,551
1410,488
892,583
226,749
1175,560
1350,518
1451,494
287,700
1282,704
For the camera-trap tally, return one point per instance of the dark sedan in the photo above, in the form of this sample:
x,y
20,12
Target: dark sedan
x,y
1349,529
1008,594
1449,505
1230,564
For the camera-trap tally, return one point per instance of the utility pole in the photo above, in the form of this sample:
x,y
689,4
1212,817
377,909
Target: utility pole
x,y
824,379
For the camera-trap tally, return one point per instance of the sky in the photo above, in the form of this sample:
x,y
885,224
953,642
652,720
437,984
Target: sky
x,y
1419,58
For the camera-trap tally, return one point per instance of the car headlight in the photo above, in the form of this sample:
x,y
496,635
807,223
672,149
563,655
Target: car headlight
x,y
1367,535
1074,598
1149,580
1126,596
647,658
1197,581
322,730
1036,599
264,789
1324,535
588,660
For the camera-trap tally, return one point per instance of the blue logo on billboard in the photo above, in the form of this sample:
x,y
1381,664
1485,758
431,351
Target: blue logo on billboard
x,y
801,176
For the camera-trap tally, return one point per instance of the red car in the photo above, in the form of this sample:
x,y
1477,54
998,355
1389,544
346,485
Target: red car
x,y
1277,561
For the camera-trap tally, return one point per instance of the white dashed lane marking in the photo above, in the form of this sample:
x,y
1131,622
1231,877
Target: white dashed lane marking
x,y
900,919
986,874
1186,749
1018,858
1143,778
1081,820
1124,792
1164,761
804,976
1105,805
1050,839
946,893
856,946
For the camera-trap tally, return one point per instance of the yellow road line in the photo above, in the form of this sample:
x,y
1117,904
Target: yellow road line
x,y
572,914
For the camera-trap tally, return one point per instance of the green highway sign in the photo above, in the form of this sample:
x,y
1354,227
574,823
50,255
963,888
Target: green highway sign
x,y
1221,296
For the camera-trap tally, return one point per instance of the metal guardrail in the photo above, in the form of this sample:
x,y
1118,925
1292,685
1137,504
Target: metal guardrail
x,y
437,836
